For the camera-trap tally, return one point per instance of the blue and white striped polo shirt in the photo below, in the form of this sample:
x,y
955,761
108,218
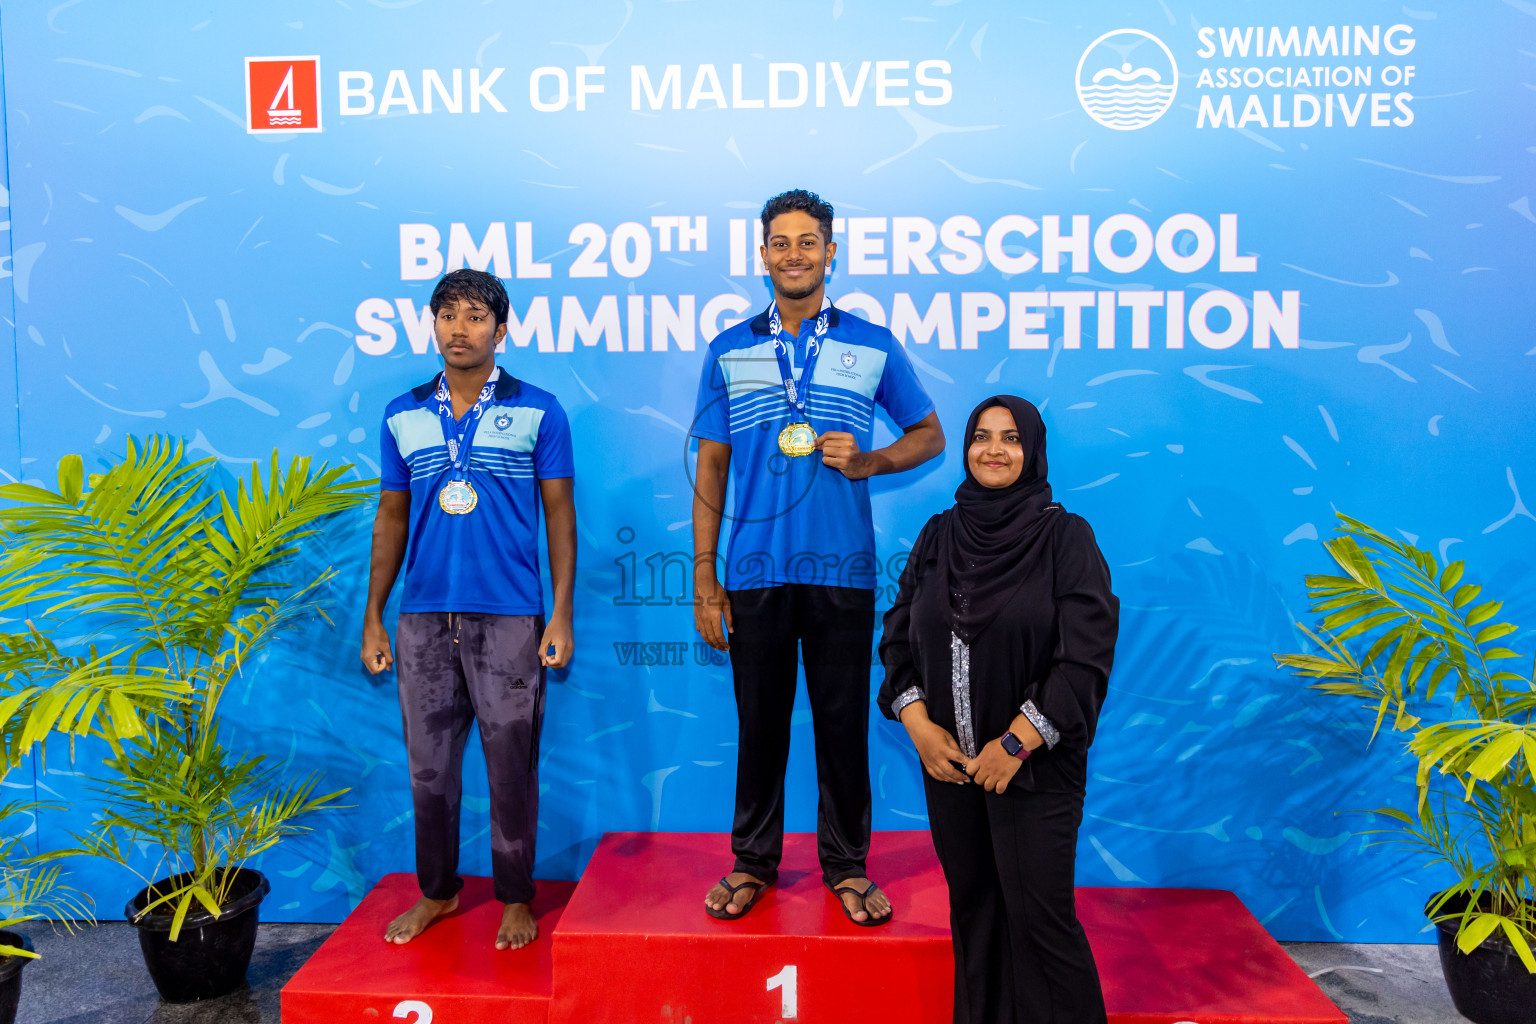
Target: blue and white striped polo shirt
x,y
796,520
487,560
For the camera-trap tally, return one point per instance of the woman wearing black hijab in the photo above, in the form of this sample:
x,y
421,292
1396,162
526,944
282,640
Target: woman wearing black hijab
x,y
997,654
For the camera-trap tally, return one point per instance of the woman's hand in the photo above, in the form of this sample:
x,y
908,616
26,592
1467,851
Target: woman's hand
x,y
993,768
936,748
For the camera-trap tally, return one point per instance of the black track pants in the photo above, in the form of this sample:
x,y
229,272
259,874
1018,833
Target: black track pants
x,y
834,629
491,674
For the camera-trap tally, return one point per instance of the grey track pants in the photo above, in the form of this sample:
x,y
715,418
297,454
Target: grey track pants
x,y
454,669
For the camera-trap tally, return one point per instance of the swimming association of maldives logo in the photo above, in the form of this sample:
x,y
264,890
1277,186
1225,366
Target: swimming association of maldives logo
x,y
282,94
1126,79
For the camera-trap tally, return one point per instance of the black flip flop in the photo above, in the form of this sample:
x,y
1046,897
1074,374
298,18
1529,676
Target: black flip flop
x,y
871,921
725,915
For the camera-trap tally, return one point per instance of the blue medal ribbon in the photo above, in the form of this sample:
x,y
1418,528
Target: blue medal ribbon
x,y
460,440
796,392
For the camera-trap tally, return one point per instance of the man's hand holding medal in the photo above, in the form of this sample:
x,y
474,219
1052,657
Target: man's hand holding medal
x,y
840,451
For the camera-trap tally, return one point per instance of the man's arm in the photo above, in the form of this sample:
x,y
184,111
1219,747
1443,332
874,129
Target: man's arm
x,y
916,445
710,603
559,500
391,527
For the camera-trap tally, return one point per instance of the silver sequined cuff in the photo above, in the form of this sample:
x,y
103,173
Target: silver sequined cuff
x,y
911,695
1043,726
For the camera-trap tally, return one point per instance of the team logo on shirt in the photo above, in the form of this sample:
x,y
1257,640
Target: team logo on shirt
x,y
845,370
503,421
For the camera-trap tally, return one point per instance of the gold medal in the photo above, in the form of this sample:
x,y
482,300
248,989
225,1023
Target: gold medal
x,y
797,439
457,498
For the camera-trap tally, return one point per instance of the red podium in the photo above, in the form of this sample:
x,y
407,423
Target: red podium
x,y
451,974
636,945
632,943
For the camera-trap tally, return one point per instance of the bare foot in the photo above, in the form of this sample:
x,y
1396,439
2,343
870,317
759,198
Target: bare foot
x,y
720,898
518,928
415,921
874,908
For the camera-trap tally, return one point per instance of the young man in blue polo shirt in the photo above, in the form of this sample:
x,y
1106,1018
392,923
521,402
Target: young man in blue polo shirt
x,y
786,411
466,460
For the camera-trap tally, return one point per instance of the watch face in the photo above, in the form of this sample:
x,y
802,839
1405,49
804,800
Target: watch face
x,y
1011,744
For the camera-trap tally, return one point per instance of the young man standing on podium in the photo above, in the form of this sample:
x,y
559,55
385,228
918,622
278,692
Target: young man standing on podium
x,y
466,460
786,411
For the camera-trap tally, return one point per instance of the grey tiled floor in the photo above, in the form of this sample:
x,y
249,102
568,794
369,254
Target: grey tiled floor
x,y
1409,988
98,977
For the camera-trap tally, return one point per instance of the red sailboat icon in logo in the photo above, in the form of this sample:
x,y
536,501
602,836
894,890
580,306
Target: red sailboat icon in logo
x,y
287,114
282,94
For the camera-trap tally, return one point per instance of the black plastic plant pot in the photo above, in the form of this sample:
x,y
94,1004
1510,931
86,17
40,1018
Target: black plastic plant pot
x,y
210,956
10,975
1490,985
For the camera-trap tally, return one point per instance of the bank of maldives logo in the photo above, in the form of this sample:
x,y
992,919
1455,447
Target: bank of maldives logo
x,y
282,94
1126,79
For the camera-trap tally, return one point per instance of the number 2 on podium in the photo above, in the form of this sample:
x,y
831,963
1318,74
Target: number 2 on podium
x,y
406,1007
787,982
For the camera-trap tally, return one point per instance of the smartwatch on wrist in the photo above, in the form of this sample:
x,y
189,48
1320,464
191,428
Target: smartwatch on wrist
x,y
1013,746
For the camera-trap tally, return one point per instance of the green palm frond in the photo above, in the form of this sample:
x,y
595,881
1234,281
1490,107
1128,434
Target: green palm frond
x,y
1395,627
145,590
30,887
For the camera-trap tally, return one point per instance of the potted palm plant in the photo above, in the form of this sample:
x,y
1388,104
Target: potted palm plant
x,y
149,591
1421,651
28,890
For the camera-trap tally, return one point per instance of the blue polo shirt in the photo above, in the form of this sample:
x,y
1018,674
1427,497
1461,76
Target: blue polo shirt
x,y
796,520
488,559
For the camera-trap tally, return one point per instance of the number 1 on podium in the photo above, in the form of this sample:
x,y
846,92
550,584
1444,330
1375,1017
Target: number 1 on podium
x,y
787,982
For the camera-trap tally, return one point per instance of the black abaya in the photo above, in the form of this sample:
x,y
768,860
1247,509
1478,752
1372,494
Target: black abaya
x,y
1053,643
1020,954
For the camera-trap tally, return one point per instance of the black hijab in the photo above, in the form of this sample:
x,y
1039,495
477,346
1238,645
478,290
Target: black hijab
x,y
994,538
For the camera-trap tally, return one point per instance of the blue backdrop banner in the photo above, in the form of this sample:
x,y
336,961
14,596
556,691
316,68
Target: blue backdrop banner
x,y
1254,267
